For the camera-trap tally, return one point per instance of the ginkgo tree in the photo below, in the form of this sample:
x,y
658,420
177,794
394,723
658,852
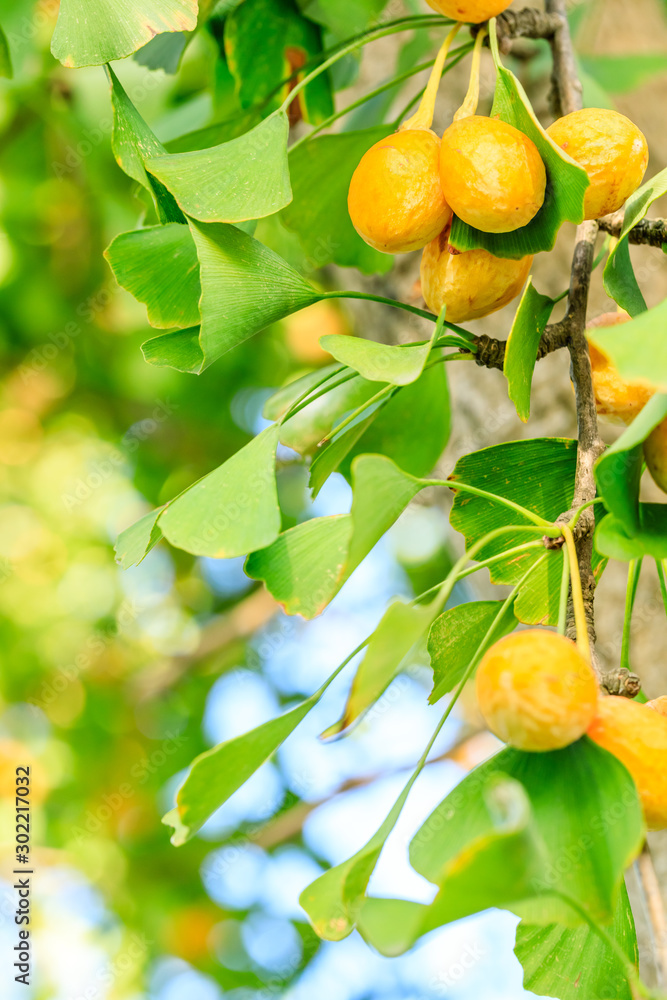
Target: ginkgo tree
x,y
544,515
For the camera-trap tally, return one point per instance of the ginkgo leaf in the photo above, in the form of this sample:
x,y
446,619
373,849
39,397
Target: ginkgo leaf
x,y
159,266
619,278
92,32
134,544
399,630
307,565
132,141
234,509
522,346
244,178
244,288
574,962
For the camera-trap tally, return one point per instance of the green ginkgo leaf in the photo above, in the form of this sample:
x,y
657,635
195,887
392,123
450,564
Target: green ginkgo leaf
x,y
92,32
159,266
244,178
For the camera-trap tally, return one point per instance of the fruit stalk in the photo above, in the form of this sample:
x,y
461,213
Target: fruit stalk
x,y
423,116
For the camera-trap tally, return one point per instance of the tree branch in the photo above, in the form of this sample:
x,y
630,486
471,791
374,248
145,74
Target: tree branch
x,y
650,232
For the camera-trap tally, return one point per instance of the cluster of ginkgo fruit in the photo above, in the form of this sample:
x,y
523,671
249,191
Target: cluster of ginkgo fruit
x,y
407,187
536,689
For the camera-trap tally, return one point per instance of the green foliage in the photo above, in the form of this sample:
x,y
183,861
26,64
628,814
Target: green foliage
x,y
5,57
566,181
265,41
245,287
619,278
523,342
562,961
243,178
219,772
92,32
321,170
618,472
307,565
390,431
620,343
453,640
386,363
538,475
400,630
132,143
159,266
516,830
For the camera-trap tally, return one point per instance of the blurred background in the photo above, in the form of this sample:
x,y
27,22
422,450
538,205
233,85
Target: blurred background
x,y
112,682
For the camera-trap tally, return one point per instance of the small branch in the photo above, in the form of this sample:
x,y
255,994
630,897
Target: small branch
x,y
490,352
527,23
649,232
567,89
656,912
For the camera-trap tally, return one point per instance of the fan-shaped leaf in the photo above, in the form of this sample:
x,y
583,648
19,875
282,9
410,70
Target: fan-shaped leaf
x,y
574,962
619,278
454,640
132,141
522,345
538,475
159,266
244,178
234,509
307,565
244,288
92,32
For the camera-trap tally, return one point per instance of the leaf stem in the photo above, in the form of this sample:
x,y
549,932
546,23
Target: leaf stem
x,y
386,390
583,641
456,484
564,595
660,566
634,569
423,116
484,564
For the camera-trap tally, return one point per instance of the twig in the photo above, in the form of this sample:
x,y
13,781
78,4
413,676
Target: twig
x,y
490,352
649,232
656,912
527,23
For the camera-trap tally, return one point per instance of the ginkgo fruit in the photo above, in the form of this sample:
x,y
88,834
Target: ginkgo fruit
x,y
471,284
492,174
536,690
612,151
395,199
637,735
472,11
658,704
615,397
